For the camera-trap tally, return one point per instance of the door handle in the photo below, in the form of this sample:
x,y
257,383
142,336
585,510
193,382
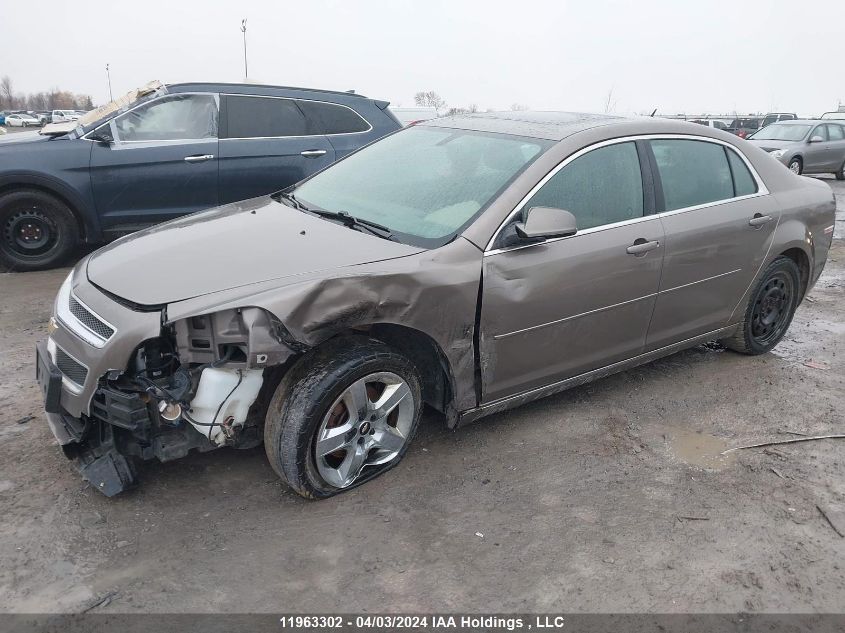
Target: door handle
x,y
642,246
312,153
759,220
198,158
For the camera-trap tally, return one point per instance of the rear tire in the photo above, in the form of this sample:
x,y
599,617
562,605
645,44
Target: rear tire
x,y
796,166
37,230
321,447
771,306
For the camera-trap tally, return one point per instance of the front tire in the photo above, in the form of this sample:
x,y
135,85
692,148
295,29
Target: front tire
x,y
796,166
770,309
345,413
37,230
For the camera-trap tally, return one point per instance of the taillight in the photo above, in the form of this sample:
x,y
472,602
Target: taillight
x,y
742,134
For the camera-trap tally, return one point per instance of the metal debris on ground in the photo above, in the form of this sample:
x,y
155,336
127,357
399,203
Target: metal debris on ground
x,y
102,602
815,365
838,436
25,419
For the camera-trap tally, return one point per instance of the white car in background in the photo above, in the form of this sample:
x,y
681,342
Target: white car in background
x,y
21,120
61,116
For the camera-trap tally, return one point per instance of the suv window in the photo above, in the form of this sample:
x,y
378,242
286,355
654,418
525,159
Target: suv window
x,y
173,118
692,172
719,125
255,117
328,118
601,187
835,132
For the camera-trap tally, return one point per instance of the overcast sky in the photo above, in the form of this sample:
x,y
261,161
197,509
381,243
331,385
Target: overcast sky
x,y
694,57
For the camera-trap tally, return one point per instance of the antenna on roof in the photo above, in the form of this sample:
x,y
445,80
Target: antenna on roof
x,y
653,112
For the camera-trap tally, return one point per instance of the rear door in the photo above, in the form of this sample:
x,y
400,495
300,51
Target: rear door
x,y
836,144
719,224
562,307
162,163
816,153
267,144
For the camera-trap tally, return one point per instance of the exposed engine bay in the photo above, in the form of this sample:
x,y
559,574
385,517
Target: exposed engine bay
x,y
196,386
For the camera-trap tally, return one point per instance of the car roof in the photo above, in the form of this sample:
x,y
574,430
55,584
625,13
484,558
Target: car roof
x,y
553,126
804,121
247,87
556,126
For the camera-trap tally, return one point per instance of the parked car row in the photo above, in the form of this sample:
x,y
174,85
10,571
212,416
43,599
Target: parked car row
x,y
33,118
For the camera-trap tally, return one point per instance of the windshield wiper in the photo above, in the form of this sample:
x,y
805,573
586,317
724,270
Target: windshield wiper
x,y
296,204
379,230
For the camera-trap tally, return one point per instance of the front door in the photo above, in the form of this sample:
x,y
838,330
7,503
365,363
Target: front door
x,y
162,163
816,153
562,307
718,232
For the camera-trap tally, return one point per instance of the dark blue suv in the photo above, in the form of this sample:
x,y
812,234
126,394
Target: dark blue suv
x,y
178,149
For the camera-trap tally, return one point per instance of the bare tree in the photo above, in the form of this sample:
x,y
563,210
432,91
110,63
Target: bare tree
x,y
430,99
473,107
7,92
518,107
609,102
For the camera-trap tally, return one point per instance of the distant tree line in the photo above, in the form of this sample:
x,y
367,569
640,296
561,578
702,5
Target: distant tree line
x,y
54,99
431,99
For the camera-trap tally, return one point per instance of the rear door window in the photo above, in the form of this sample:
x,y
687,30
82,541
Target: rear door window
x,y
257,117
835,132
692,172
744,183
329,118
601,187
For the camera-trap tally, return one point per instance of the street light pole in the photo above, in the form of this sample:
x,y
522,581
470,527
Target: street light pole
x,y
243,30
108,74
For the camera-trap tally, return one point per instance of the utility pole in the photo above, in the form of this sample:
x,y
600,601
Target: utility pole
x,y
243,30
108,74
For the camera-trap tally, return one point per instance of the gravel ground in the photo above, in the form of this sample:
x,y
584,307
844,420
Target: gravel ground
x,y
608,498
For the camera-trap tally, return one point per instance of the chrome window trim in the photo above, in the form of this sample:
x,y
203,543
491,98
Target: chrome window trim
x,y
166,95
762,190
339,105
71,385
77,327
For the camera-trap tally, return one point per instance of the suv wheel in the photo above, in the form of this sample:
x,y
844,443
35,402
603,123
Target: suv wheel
x,y
342,415
37,230
796,166
770,309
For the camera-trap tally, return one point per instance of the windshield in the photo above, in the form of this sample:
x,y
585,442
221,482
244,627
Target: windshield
x,y
423,184
781,132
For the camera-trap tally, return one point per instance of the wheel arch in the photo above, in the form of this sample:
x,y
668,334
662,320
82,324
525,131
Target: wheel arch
x,y
802,260
436,377
89,229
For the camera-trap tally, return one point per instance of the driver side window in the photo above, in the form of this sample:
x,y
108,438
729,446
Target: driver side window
x,y
173,118
601,187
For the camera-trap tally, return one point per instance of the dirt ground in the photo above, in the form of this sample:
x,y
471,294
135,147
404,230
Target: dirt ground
x,y
608,498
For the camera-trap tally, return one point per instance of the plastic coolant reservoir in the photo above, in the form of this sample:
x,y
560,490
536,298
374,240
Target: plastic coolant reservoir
x,y
214,387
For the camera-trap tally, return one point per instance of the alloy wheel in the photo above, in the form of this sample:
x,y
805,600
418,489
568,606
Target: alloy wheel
x,y
367,425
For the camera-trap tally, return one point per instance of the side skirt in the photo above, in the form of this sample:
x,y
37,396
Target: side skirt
x,y
525,397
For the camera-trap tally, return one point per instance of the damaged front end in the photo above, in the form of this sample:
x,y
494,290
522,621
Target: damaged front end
x,y
200,385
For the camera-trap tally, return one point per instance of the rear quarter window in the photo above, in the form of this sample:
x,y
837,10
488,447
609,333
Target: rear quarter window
x,y
328,118
744,183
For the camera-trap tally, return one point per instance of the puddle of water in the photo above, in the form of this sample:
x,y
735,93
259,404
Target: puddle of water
x,y
698,449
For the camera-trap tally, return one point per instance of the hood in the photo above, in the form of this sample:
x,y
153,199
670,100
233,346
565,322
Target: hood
x,y
230,246
21,137
770,146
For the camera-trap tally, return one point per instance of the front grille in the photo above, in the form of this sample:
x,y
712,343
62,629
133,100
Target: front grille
x,y
70,368
89,319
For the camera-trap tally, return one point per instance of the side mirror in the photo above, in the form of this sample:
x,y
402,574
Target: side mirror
x,y
816,139
102,135
547,222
